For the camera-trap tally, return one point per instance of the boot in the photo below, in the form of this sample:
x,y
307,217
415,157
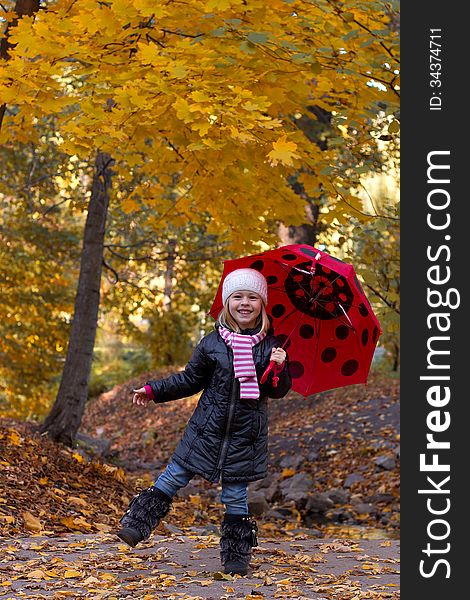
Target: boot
x,y
143,514
237,539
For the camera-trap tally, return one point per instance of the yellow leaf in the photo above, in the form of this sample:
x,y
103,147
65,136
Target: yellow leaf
x,y
178,71
7,519
15,438
284,152
79,501
129,205
287,473
183,111
52,573
71,573
31,522
37,574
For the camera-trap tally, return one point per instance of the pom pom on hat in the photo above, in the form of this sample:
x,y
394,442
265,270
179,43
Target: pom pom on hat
x,y
245,279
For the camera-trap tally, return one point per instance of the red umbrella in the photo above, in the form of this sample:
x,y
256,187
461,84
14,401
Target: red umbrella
x,y
319,312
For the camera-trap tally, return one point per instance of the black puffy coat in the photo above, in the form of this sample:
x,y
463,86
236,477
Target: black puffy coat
x,y
226,437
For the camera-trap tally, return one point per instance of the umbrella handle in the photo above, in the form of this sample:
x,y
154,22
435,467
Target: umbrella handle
x,y
266,373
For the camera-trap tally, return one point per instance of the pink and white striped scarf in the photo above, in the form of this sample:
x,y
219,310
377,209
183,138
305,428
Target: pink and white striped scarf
x,y
243,364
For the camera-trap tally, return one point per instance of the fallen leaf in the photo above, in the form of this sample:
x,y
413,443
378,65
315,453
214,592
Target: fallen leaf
x,y
31,522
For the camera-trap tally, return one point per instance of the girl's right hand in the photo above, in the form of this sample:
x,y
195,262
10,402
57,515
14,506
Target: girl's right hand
x,y
140,397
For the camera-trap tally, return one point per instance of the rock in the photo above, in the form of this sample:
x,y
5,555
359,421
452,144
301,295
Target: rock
x,y
318,503
257,504
275,514
209,529
385,461
312,456
269,487
299,481
351,479
338,495
284,511
296,488
340,515
300,497
191,489
96,446
292,462
363,508
172,528
263,483
381,498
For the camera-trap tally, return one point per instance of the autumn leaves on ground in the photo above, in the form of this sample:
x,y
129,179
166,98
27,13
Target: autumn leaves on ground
x,y
334,473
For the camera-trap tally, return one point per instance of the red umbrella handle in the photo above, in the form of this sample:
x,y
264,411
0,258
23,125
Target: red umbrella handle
x,y
266,373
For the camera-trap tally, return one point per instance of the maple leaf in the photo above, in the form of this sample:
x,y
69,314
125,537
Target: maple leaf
x,y
283,152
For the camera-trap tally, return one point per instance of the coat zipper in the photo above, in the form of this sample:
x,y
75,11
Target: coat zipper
x,y
229,423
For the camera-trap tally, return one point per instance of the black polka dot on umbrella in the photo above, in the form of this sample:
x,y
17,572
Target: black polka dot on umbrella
x,y
306,331
278,310
271,279
296,369
375,335
342,332
258,265
365,337
289,256
349,367
363,310
328,354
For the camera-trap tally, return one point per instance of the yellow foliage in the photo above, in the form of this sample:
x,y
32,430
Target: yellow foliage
x,y
195,86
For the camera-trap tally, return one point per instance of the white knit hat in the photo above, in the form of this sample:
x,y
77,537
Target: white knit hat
x,y
245,279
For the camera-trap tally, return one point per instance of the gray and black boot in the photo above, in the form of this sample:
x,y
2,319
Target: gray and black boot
x,y
238,536
143,514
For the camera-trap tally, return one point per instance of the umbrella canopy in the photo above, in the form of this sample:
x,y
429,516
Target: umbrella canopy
x,y
319,312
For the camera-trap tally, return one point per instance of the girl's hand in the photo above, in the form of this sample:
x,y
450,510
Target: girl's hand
x,y
140,397
278,355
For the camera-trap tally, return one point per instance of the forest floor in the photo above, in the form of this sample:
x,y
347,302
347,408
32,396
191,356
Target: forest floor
x,y
60,506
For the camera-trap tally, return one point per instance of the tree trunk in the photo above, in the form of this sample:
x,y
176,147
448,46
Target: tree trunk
x,y
64,420
169,272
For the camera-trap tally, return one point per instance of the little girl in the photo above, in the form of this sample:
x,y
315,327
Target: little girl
x,y
226,438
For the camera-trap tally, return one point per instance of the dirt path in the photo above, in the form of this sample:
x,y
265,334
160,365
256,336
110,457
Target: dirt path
x,y
188,567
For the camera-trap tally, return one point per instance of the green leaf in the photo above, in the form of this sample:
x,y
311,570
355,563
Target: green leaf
x,y
257,38
248,47
219,32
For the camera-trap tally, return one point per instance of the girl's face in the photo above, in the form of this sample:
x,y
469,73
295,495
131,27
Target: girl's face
x,y
245,308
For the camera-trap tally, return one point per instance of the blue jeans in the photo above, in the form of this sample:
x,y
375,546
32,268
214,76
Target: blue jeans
x,y
175,477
